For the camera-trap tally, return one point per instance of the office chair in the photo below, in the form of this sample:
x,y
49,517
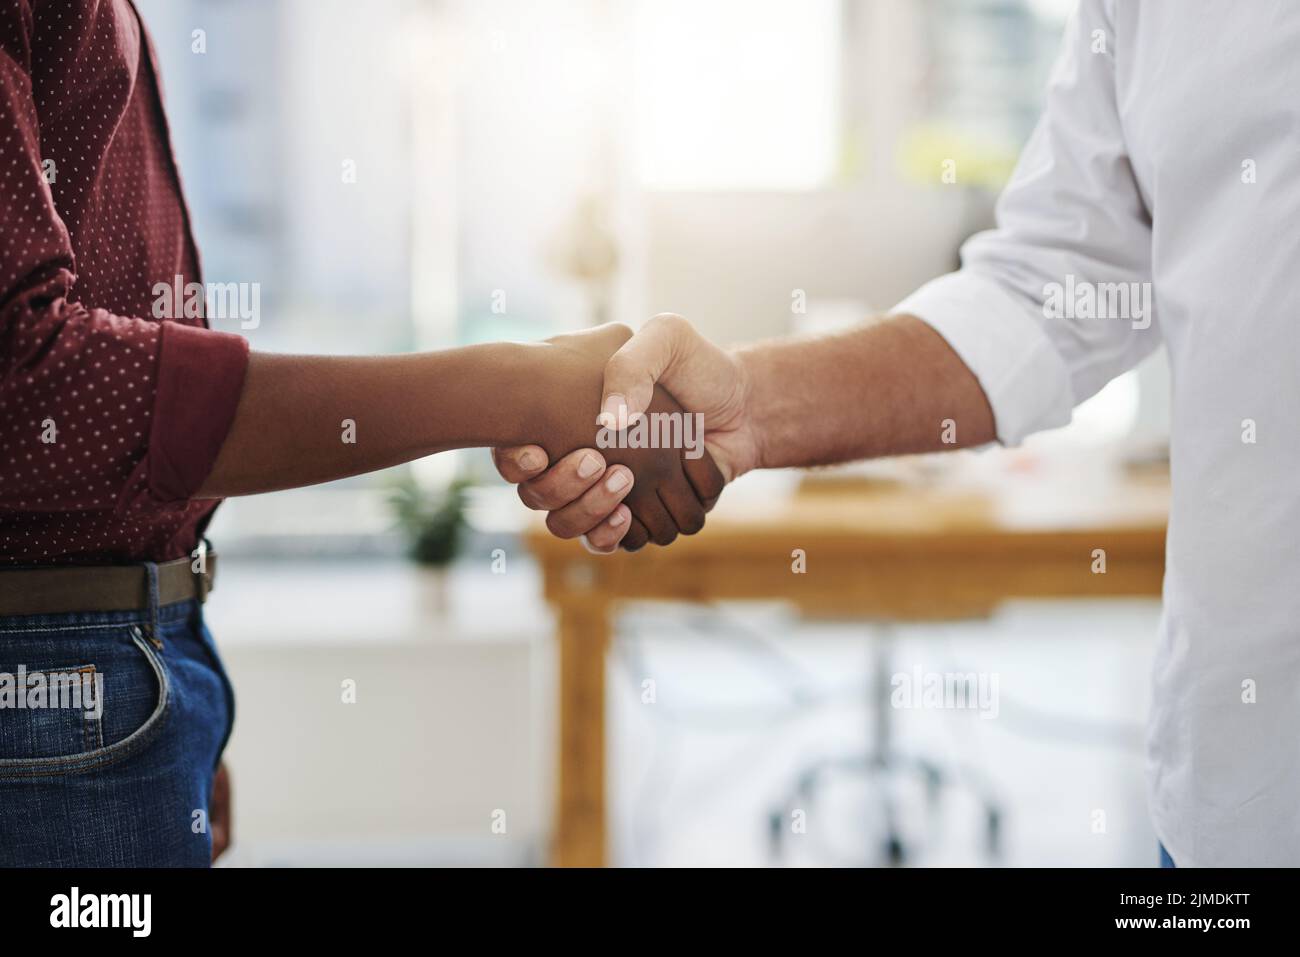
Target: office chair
x,y
881,763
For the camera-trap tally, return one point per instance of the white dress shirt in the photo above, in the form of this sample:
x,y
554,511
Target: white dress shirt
x,y
1169,154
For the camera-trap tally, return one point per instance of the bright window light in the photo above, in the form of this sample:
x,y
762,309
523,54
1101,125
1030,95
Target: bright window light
x,y
737,94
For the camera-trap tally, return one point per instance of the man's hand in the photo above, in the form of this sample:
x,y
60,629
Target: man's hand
x,y
581,491
669,492
704,378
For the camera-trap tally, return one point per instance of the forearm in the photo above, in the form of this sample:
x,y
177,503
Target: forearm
x,y
303,420
890,388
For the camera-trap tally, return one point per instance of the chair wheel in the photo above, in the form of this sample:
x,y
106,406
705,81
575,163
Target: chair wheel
x,y
775,833
993,831
894,851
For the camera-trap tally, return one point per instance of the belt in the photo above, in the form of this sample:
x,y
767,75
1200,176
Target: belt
x,y
91,588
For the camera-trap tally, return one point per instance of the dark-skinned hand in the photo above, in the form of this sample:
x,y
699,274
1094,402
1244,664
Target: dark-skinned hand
x,y
670,492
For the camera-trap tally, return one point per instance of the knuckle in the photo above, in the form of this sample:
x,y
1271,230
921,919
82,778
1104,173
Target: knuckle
x,y
559,526
693,525
668,320
595,512
603,537
664,536
717,483
505,466
528,496
554,491
634,540
673,326
707,478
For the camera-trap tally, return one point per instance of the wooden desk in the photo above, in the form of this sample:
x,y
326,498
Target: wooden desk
x,y
895,554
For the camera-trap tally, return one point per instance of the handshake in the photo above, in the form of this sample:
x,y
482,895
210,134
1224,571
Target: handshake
x,y
623,439
655,427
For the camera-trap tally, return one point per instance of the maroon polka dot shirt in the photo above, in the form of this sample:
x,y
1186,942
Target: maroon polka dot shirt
x,y
110,419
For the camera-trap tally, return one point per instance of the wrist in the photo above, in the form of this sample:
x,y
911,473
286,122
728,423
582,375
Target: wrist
x,y
483,394
530,384
555,396
756,412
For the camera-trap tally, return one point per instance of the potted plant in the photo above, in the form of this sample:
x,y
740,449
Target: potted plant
x,y
433,526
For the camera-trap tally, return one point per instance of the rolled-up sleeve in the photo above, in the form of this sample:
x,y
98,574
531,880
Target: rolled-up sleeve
x,y
1071,215
200,378
98,410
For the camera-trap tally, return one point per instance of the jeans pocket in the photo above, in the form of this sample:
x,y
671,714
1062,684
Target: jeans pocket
x,y
76,698
49,710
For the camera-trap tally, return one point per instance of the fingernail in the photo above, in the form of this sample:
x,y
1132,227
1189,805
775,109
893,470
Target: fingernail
x,y
613,414
617,519
588,467
528,461
618,481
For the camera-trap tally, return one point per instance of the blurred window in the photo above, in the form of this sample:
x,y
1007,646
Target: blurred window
x,y
291,121
737,94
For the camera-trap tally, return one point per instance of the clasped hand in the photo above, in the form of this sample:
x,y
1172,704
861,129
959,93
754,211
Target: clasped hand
x,y
633,496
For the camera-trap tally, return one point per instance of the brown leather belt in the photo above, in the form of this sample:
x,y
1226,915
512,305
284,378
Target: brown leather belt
x,y
72,588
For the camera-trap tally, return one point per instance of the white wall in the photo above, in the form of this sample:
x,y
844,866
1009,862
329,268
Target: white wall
x,y
453,718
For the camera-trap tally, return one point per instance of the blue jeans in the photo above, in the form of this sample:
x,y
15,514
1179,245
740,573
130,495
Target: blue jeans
x,y
1165,859
122,775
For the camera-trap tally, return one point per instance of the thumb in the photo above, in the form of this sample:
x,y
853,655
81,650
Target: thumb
x,y
632,371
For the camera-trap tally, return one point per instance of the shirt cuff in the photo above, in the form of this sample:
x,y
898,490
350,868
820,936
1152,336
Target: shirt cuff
x,y
200,379
1002,341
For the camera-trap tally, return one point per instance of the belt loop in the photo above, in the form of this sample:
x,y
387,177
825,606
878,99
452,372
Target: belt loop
x,y
152,625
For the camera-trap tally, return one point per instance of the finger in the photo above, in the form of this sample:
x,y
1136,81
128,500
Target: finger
x,y
637,537
650,511
596,505
705,477
632,371
682,505
519,464
604,538
564,482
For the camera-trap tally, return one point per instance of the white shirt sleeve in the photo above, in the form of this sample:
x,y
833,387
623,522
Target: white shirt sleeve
x,y
1071,213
